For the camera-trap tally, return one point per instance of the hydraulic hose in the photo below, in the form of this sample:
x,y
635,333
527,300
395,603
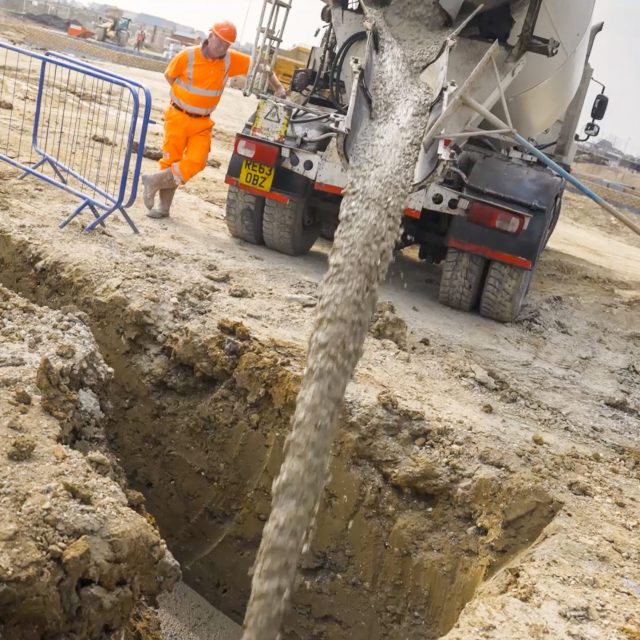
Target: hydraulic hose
x,y
327,40
302,120
323,136
336,68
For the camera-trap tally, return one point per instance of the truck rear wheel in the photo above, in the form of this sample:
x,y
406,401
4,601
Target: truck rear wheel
x,y
329,228
505,290
462,275
244,215
290,228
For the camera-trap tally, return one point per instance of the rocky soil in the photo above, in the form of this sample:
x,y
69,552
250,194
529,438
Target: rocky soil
x,y
78,552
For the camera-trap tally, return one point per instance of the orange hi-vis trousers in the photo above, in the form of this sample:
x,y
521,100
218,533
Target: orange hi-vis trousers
x,y
186,145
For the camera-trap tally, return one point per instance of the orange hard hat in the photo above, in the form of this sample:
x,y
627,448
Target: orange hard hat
x,y
226,31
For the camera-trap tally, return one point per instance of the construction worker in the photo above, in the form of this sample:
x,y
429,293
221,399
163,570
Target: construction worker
x,y
197,76
141,36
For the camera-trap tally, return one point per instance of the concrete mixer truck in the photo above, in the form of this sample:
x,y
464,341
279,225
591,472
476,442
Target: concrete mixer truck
x,y
510,80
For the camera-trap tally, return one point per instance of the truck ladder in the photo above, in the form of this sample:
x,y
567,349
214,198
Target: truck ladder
x,y
273,21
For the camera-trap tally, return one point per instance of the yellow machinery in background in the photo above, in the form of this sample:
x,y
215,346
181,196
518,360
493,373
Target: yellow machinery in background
x,y
288,61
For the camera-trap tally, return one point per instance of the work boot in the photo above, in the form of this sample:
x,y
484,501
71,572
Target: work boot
x,y
154,182
166,198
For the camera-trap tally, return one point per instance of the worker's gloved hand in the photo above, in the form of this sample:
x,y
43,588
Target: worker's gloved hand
x,y
280,92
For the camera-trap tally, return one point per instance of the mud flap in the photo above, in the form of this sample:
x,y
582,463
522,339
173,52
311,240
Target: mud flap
x,y
530,189
520,250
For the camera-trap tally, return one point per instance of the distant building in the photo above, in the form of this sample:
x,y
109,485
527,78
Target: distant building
x,y
59,8
614,158
604,152
629,162
157,29
187,36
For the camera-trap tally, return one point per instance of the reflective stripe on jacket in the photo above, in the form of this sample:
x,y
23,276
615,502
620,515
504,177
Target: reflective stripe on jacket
x,y
199,87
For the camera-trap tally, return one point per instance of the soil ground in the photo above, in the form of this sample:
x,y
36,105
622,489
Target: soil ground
x,y
485,482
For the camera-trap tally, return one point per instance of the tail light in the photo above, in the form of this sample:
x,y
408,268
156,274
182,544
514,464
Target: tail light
x,y
257,151
490,216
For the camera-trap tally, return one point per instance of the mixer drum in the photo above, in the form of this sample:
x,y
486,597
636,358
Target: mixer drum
x,y
544,89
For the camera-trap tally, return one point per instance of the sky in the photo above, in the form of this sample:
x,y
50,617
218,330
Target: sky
x,y
616,62
301,26
615,57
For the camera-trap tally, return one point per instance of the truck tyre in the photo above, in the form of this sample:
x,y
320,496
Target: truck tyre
x,y
290,228
505,289
461,282
244,215
329,228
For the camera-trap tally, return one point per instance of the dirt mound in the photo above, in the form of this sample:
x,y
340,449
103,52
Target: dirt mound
x,y
48,20
387,325
77,550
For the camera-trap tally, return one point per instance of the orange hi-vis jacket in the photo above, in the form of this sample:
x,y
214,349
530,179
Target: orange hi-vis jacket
x,y
200,81
197,87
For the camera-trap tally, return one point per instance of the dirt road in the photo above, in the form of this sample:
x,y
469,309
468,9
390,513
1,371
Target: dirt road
x,y
485,481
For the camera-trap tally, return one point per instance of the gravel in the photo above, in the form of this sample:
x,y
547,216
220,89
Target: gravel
x,y
184,615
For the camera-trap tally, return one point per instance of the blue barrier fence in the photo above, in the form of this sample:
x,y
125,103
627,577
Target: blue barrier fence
x,y
75,127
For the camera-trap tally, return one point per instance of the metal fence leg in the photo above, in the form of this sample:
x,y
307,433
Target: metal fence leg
x,y
75,214
125,215
96,214
78,211
53,166
34,167
39,164
106,214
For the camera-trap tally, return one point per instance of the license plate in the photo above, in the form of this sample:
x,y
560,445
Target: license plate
x,y
256,175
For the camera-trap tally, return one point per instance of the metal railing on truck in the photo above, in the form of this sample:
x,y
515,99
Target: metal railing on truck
x,y
74,126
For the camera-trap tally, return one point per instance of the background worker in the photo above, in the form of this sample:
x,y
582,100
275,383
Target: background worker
x,y
198,76
141,36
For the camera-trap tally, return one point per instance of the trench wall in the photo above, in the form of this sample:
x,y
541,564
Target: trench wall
x,y
405,532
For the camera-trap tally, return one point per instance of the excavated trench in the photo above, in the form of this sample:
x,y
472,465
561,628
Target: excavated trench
x,y
405,533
